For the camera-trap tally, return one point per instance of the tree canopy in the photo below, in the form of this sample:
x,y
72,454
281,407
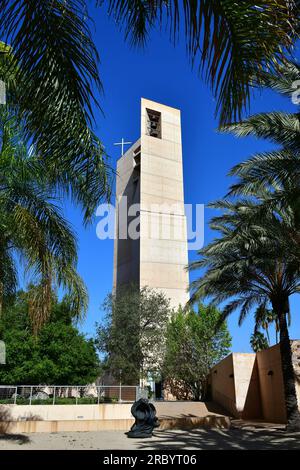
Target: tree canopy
x,y
132,335
195,342
60,354
32,225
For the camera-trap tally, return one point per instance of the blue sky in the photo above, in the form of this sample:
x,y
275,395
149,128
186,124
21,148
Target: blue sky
x,y
162,73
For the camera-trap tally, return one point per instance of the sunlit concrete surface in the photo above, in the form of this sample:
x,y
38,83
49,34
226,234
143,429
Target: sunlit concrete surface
x,y
106,417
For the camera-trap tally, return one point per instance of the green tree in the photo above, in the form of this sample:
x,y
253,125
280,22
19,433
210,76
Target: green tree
x,y
58,355
193,346
33,227
132,335
254,262
258,341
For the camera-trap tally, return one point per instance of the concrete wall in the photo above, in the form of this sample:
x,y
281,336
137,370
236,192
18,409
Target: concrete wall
x,y
271,385
115,418
107,411
250,386
296,364
222,385
246,383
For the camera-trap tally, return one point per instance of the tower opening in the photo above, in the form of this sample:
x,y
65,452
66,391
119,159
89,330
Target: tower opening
x,y
153,123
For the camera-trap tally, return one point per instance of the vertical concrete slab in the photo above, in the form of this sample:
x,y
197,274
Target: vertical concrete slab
x,y
271,385
159,257
246,383
222,385
163,257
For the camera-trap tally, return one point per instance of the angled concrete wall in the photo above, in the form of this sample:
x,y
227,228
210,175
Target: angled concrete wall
x,y
235,386
271,381
250,386
246,382
222,385
271,385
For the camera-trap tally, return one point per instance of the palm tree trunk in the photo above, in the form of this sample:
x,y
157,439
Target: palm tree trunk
x,y
1,297
292,411
268,336
276,331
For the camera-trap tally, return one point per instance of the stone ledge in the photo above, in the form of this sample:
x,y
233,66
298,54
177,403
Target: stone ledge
x,y
65,426
220,422
211,421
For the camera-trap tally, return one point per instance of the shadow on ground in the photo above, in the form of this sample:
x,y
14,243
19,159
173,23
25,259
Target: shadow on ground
x,y
5,423
221,439
17,438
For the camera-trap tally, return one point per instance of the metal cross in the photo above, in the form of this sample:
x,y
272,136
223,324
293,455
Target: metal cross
x,y
122,143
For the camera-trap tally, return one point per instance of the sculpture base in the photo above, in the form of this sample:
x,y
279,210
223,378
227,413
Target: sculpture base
x,y
138,435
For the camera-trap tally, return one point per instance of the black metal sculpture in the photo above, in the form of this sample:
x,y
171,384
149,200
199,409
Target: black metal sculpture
x,y
145,419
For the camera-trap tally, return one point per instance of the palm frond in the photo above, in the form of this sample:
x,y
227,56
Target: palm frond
x,y
232,42
284,79
33,226
279,127
273,169
68,278
51,75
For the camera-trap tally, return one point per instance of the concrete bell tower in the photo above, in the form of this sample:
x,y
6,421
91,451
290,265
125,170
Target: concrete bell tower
x,y
150,175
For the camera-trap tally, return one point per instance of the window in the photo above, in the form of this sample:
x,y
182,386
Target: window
x,y
153,123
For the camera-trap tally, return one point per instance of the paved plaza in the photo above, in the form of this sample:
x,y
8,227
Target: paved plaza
x,y
246,438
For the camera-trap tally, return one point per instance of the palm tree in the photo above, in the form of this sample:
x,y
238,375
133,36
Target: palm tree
x,y
253,263
73,156
263,318
33,228
52,76
231,42
271,181
278,170
258,341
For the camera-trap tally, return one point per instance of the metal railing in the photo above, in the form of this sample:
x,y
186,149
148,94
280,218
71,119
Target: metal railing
x,y
68,394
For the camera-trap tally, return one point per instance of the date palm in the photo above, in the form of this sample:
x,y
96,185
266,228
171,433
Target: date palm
x,y
254,262
53,75
271,181
277,169
33,228
230,42
264,317
72,154
258,341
